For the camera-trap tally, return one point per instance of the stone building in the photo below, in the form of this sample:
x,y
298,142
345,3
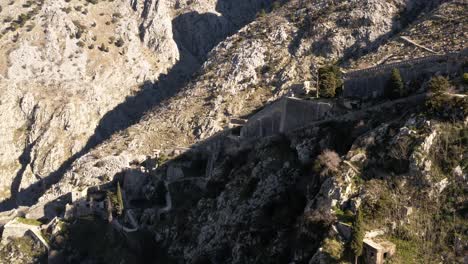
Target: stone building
x,y
376,252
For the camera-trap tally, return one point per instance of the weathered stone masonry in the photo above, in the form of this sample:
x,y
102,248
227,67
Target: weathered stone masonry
x,y
285,115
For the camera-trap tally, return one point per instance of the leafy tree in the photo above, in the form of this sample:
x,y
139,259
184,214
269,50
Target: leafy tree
x,y
357,236
395,87
119,200
330,80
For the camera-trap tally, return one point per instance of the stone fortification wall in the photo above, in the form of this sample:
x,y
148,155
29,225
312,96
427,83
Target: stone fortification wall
x,y
370,83
300,112
284,115
264,123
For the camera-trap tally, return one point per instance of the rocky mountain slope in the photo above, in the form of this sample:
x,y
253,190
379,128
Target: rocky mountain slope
x,y
264,60
75,72
91,89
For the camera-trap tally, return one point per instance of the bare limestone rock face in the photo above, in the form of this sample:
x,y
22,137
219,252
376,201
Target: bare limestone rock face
x,y
155,29
56,86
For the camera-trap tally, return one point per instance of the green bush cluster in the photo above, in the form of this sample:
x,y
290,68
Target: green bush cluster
x,y
20,21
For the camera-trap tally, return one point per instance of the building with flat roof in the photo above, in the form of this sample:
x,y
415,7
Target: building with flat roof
x,y
376,252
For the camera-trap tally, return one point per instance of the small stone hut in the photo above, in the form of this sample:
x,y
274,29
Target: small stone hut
x,y
376,252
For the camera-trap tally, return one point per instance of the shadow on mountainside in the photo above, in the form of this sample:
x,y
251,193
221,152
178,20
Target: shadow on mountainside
x,y
276,213
189,30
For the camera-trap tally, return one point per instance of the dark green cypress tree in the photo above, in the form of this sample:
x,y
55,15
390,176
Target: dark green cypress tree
x,y
327,85
396,87
357,236
330,81
119,200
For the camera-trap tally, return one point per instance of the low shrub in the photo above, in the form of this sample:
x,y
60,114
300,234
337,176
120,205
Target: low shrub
x,y
119,43
438,84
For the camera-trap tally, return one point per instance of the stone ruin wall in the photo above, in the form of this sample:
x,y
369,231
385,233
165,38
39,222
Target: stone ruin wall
x,y
370,83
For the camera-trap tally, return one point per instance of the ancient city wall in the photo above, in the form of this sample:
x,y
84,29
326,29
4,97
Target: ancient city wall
x,y
284,115
370,83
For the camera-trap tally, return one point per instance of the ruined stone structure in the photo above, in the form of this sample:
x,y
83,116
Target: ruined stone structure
x,y
377,252
15,229
370,83
92,203
285,115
